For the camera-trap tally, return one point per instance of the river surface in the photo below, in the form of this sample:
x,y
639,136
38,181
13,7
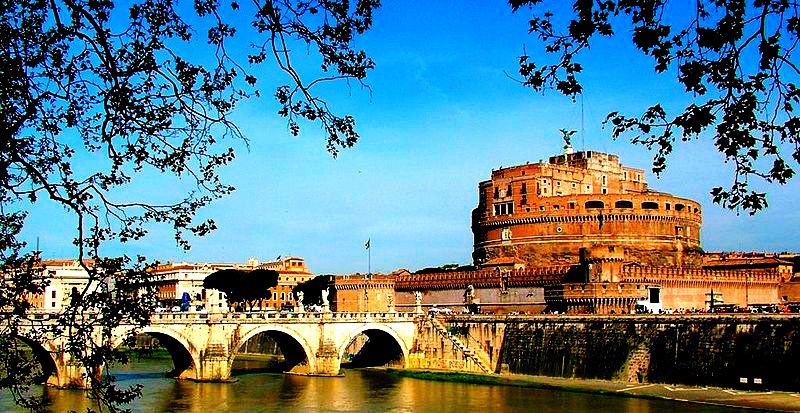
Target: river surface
x,y
357,391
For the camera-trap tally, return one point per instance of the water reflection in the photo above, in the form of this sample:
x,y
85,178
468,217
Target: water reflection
x,y
358,391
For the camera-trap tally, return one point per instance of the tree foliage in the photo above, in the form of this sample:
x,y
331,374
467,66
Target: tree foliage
x,y
94,95
247,288
733,58
312,289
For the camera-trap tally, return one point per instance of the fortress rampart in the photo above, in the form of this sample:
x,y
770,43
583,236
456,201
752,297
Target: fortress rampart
x,y
536,276
650,274
529,289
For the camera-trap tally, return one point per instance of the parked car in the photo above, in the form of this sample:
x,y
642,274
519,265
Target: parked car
x,y
176,309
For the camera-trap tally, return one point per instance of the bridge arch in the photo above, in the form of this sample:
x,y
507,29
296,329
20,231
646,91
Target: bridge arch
x,y
183,353
295,348
43,353
382,334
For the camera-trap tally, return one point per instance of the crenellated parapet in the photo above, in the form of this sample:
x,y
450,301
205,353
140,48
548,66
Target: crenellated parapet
x,y
674,274
360,283
447,280
458,280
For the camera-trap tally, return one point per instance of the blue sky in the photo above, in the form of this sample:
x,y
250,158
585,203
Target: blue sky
x,y
441,115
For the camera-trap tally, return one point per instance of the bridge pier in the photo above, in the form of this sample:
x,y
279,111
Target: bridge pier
x,y
328,361
69,373
214,368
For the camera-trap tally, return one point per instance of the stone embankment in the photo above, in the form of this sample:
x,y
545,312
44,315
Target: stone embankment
x,y
754,352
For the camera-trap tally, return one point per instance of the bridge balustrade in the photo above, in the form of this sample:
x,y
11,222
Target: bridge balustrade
x,y
268,315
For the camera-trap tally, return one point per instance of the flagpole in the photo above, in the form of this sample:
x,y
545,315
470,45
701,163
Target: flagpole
x,y
369,258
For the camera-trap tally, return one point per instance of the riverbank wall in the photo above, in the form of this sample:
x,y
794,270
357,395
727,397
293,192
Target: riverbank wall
x,y
736,351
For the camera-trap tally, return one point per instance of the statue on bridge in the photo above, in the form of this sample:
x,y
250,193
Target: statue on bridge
x,y
326,305
470,302
418,299
300,307
469,295
390,299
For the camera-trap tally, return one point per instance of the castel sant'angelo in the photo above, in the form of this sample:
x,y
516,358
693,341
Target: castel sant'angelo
x,y
583,233
545,213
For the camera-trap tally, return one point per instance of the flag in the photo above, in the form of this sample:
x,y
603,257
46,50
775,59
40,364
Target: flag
x,y
367,244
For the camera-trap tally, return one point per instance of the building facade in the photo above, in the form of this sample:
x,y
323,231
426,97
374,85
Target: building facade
x,y
291,271
360,293
64,276
176,279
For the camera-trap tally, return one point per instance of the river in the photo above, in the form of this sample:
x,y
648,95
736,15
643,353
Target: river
x,y
356,391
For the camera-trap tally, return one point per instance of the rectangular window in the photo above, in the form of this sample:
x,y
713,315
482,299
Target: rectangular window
x,y
274,296
625,175
509,192
505,208
668,206
655,296
283,296
524,199
53,294
605,190
571,205
524,189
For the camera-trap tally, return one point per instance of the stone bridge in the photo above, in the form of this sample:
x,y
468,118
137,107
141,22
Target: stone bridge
x,y
204,346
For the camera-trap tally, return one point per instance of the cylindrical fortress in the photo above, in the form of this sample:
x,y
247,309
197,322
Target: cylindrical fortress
x,y
544,213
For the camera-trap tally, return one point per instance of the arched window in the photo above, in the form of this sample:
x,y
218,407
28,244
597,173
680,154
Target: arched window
x,y
623,204
649,205
594,204
679,207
